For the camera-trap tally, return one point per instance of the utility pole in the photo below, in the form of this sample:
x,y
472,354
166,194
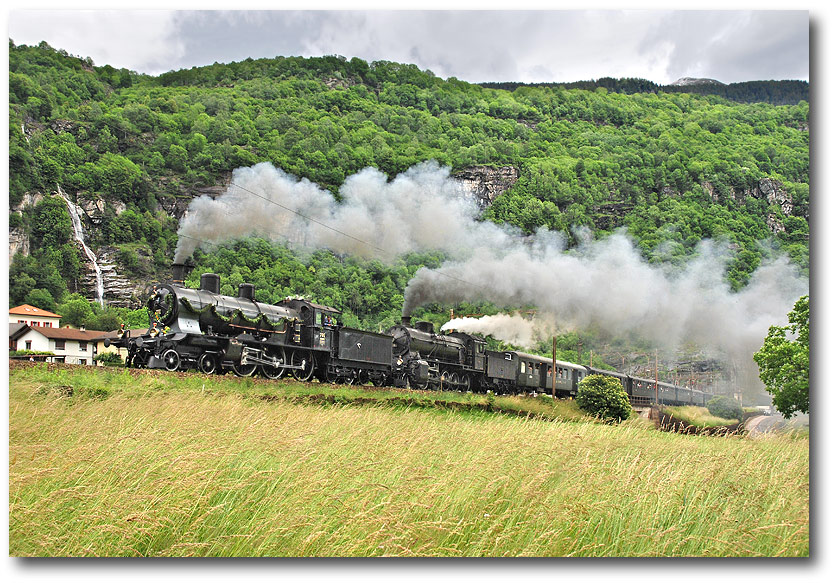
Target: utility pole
x,y
655,377
553,370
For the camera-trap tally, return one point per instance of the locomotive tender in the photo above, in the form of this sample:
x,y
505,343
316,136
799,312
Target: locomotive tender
x,y
205,330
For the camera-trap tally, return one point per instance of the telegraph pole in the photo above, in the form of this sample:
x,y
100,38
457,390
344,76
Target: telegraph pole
x,y
655,377
553,370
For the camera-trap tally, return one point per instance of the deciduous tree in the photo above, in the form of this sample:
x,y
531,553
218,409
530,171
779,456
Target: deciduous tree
x,y
784,361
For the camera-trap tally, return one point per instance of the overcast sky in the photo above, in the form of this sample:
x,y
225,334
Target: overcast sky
x,y
475,46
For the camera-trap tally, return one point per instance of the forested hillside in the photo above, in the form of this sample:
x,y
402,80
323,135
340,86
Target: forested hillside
x,y
671,168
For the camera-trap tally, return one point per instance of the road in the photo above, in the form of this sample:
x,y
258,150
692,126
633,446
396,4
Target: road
x,y
769,423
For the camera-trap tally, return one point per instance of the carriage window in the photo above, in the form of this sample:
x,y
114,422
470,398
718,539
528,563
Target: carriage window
x,y
523,369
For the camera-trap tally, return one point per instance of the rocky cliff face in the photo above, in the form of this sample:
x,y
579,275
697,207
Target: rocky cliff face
x,y
18,239
487,183
175,206
123,289
768,189
18,242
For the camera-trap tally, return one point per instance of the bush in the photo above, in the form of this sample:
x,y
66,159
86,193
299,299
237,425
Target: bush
x,y
603,397
110,359
725,407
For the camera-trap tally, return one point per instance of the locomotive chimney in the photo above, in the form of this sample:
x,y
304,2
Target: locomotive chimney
x,y
406,321
179,273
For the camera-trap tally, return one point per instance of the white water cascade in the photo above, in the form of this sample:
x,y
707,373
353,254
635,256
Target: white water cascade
x,y
78,229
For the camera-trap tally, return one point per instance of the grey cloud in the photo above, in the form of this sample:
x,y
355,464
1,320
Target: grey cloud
x,y
476,46
733,46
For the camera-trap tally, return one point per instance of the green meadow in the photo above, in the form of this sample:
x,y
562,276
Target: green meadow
x,y
113,462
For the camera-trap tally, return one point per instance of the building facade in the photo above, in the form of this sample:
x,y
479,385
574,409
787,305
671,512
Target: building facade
x,y
67,344
32,316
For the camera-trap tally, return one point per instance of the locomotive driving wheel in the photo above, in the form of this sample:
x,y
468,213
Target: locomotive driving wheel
x,y
306,363
445,380
465,382
244,370
275,372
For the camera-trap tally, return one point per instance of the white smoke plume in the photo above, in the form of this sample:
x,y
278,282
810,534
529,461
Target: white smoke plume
x,y
421,209
515,329
606,285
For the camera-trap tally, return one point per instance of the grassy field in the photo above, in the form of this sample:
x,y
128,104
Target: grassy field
x,y
110,463
698,416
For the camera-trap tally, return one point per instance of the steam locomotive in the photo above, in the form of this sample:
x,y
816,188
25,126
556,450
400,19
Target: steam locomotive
x,y
205,330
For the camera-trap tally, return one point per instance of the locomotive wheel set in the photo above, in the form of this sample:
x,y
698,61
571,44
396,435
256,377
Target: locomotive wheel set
x,y
204,330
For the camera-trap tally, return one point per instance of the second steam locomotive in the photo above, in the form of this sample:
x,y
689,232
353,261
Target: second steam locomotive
x,y
205,330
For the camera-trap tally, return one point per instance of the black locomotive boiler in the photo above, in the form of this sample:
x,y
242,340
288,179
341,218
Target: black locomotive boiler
x,y
205,330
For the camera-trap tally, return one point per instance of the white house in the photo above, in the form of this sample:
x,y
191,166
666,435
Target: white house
x,y
67,344
32,316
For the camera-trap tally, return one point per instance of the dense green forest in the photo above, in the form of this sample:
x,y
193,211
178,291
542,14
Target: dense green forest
x,y
773,92
670,167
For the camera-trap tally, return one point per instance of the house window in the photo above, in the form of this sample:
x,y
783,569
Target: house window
x,y
82,346
82,361
60,345
28,345
48,324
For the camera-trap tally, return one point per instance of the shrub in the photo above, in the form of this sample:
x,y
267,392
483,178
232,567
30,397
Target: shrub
x,y
725,407
110,359
603,397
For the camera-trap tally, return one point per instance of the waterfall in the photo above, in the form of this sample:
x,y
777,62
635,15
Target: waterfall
x,y
78,229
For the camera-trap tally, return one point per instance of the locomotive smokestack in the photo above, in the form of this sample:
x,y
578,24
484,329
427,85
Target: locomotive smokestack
x,y
406,321
179,273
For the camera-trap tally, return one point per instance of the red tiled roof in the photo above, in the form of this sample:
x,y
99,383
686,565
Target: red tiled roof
x,y
27,310
68,333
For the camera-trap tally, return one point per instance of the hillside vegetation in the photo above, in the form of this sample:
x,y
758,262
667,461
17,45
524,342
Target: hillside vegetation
x,y
112,462
671,168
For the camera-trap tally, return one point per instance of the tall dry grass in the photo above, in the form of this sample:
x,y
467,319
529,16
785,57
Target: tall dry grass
x,y
196,473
